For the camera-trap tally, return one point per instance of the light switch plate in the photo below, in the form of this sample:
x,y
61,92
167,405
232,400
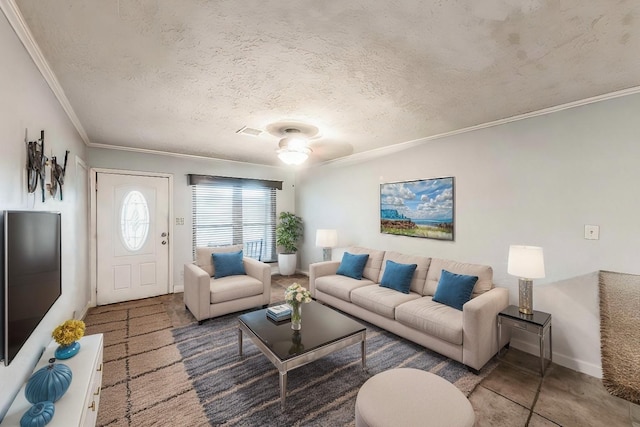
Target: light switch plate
x,y
592,232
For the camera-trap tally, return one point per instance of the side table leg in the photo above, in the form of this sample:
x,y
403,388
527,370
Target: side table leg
x,y
541,343
283,388
240,341
550,344
499,334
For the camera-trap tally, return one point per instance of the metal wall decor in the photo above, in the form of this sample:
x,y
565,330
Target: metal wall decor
x,y
57,175
37,163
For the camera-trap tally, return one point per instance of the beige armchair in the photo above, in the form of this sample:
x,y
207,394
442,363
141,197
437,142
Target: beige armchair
x,y
207,297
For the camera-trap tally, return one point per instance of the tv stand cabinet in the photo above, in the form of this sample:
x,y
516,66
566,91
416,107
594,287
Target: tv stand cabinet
x,y
79,405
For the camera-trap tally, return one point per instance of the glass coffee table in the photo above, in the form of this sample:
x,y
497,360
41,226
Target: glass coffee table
x,y
324,331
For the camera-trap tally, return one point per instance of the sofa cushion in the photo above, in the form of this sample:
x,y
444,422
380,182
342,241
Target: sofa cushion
x,y
420,275
204,260
352,265
397,276
234,287
433,318
340,286
374,263
484,273
382,301
227,264
454,290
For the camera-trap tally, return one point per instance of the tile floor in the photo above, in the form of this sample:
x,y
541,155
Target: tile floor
x,y
514,394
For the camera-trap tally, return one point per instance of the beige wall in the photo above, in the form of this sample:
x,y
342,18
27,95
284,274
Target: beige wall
x,y
28,103
179,167
535,182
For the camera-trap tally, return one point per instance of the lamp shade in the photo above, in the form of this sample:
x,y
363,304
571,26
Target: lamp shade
x,y
526,261
326,238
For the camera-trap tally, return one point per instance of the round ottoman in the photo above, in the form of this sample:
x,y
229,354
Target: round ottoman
x,y
411,397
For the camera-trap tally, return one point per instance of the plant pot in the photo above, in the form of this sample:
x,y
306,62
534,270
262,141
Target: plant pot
x,y
287,264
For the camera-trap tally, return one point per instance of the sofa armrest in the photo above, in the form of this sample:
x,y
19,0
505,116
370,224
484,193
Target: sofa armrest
x,y
480,326
196,291
319,269
261,271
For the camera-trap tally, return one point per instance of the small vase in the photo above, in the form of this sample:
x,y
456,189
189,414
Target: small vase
x,y
67,351
296,316
38,415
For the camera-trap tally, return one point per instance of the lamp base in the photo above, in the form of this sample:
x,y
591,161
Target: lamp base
x,y
525,293
326,254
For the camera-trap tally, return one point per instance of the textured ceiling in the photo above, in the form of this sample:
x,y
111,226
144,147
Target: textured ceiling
x,y
184,76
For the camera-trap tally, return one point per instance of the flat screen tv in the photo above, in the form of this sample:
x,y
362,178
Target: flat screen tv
x,y
32,274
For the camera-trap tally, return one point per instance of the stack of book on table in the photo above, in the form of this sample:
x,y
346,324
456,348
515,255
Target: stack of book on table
x,y
279,312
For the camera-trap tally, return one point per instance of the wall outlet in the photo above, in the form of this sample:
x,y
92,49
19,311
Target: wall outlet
x,y
592,232
180,221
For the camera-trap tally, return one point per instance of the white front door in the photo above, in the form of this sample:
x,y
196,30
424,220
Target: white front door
x,y
132,222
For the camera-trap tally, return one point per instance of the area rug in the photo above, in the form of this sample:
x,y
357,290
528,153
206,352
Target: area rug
x,y
620,334
156,374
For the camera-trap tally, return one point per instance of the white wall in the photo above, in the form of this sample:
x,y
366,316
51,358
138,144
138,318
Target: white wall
x,y
28,103
180,166
535,182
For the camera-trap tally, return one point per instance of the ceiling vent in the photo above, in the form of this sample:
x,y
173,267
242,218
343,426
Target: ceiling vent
x,y
244,130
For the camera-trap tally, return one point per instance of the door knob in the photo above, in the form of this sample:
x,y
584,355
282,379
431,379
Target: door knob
x,y
163,234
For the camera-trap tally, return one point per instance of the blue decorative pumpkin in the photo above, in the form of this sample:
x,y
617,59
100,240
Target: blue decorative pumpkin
x,y
38,415
48,383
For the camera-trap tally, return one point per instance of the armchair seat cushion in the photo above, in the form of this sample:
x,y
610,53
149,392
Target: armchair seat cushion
x,y
231,288
340,286
382,301
435,319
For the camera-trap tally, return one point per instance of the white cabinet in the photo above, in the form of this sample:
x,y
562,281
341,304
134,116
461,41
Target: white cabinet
x,y
79,405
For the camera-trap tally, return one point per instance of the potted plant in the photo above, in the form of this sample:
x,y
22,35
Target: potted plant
x,y
288,233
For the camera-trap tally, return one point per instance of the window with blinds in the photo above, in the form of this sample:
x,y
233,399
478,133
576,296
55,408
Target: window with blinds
x,y
235,212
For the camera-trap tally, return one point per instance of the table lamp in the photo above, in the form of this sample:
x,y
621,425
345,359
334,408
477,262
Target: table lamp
x,y
326,239
527,263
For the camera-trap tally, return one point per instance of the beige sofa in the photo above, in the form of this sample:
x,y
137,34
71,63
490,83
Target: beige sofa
x,y
468,336
207,297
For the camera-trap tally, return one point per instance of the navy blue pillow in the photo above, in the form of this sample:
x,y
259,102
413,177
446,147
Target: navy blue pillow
x,y
352,265
227,264
398,276
454,289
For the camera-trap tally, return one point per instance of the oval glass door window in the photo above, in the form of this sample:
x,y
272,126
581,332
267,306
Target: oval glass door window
x,y
134,220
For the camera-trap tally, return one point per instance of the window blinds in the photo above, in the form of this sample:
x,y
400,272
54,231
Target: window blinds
x,y
234,212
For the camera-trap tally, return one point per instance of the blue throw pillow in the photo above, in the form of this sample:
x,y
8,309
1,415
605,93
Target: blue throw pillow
x,y
398,276
454,289
227,264
352,265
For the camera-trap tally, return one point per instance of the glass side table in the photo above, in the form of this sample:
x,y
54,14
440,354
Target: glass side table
x,y
537,323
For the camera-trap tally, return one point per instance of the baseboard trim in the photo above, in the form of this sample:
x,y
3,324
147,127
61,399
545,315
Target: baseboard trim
x,y
178,288
588,368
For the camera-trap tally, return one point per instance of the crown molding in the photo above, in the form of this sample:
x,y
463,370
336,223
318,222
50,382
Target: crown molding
x,y
396,148
17,22
179,155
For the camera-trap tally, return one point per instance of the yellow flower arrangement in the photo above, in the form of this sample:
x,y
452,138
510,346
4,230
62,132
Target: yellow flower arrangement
x,y
69,332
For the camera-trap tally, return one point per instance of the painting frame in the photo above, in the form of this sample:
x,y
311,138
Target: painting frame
x,y
423,208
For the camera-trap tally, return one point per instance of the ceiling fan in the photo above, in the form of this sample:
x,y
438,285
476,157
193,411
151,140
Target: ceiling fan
x,y
300,140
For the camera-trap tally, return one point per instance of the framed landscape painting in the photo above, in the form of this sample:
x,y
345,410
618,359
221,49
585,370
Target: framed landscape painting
x,y
421,208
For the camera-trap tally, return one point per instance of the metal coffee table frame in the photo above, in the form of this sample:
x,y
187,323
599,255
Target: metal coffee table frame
x,y
284,366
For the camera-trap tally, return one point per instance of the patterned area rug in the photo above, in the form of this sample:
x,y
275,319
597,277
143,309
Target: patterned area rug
x,y
620,334
157,373
245,391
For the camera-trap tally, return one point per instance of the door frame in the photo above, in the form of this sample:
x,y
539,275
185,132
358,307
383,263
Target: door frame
x,y
93,256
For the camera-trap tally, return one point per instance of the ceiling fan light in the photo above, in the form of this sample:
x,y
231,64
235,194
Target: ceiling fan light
x,y
292,157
